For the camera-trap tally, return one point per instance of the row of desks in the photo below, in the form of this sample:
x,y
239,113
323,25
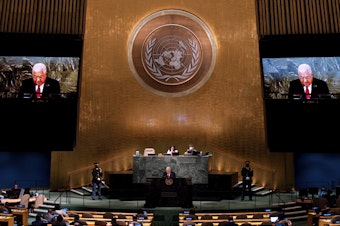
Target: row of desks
x,y
7,219
99,216
10,218
322,220
216,218
16,201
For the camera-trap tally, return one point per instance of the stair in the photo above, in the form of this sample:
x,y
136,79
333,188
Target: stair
x,y
87,189
38,210
257,190
293,211
77,192
265,192
82,191
43,208
47,206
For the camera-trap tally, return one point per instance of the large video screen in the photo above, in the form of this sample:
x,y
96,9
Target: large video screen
x,y
281,74
39,92
16,72
301,90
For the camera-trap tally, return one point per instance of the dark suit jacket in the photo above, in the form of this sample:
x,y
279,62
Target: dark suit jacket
x,y
247,172
51,86
319,89
172,175
39,223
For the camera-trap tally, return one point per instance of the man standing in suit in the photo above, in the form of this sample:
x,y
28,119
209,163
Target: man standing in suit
x,y
168,174
306,86
97,174
39,86
247,179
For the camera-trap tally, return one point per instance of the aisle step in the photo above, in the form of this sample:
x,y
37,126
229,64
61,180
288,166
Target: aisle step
x,y
37,210
266,192
257,189
300,212
32,214
291,208
87,189
47,206
77,192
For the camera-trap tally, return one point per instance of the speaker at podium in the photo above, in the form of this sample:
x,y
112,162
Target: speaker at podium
x,y
165,193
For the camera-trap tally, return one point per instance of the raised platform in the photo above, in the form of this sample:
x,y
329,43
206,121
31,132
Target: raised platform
x,y
219,186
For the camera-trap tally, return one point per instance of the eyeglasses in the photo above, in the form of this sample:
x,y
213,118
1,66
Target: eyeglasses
x,y
39,76
306,77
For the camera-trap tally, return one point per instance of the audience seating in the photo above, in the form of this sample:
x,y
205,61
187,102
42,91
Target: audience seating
x,y
207,224
223,216
108,215
246,224
335,211
335,219
121,216
206,217
100,218
337,202
258,216
86,215
240,218
100,223
19,214
320,202
203,219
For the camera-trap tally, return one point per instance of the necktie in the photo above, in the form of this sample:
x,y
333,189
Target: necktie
x,y
307,93
38,94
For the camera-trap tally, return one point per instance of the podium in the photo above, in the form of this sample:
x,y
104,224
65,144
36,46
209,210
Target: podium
x,y
168,193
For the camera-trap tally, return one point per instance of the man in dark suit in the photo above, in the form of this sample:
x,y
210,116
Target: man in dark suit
x,y
247,178
39,221
97,174
306,86
77,221
168,174
39,86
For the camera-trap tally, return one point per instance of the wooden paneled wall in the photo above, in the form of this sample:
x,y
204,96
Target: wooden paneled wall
x,y
285,17
275,17
42,16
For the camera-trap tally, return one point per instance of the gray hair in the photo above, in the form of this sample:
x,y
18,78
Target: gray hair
x,y
304,68
39,67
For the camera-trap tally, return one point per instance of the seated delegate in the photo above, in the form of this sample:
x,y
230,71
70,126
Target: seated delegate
x,y
191,150
172,150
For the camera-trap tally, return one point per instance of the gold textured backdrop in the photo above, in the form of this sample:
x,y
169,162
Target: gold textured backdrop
x,y
117,116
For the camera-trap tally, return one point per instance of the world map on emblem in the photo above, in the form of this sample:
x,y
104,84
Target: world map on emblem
x,y
172,53
172,59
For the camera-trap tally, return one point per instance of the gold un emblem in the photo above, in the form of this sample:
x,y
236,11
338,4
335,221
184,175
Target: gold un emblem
x,y
172,53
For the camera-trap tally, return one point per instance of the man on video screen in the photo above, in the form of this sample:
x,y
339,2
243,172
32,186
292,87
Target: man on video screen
x,y
306,86
39,86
